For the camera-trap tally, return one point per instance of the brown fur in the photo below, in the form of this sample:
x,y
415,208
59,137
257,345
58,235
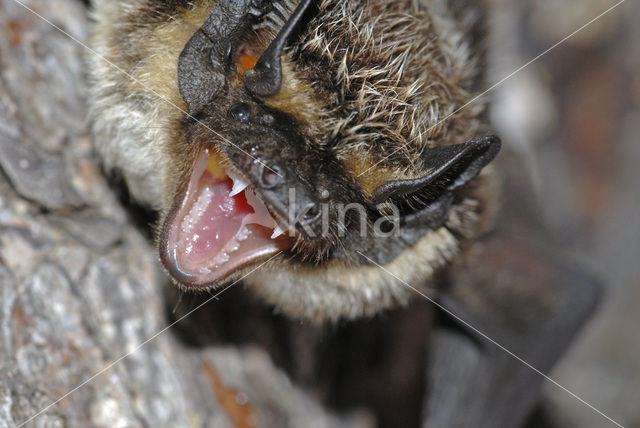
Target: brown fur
x,y
372,79
390,81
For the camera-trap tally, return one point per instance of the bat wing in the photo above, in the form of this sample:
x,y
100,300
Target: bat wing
x,y
528,302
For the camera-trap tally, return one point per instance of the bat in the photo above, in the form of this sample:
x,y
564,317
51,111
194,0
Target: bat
x,y
329,138
262,129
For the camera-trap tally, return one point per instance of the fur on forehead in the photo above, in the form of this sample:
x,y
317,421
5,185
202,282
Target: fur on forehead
x,y
388,73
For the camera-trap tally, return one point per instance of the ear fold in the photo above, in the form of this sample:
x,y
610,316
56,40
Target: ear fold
x,y
265,79
204,61
446,169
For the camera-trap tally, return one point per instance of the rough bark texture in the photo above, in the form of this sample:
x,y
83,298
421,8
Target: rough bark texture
x,y
79,285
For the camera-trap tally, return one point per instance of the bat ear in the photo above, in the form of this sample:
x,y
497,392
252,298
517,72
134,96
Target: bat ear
x,y
446,169
265,78
205,61
202,63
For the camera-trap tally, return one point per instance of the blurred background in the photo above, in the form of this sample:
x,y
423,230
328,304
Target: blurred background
x,y
573,117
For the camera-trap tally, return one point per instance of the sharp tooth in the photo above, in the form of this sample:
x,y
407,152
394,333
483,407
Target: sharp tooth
x,y
244,234
238,186
277,232
222,258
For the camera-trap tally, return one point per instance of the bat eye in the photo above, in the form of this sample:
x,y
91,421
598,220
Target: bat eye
x,y
270,176
240,112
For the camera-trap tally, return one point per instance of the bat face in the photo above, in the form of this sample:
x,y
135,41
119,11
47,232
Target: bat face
x,y
311,132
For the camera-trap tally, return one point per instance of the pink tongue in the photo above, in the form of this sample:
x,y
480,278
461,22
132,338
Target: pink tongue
x,y
211,234
213,220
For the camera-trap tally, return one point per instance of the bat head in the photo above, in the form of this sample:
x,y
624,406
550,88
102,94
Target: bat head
x,y
320,133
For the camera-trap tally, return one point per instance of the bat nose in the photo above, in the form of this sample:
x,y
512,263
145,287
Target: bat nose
x,y
289,197
311,214
270,176
308,219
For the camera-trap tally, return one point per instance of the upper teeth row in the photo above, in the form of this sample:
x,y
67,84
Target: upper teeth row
x,y
239,185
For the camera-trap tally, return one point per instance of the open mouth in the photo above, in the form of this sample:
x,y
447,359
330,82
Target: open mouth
x,y
220,226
